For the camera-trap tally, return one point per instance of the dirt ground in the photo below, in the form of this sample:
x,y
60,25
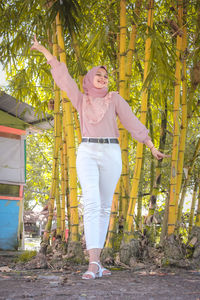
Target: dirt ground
x,y
147,282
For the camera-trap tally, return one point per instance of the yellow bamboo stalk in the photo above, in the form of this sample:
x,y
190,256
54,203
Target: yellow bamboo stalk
x,y
57,134
139,149
112,231
123,133
183,131
77,125
192,209
57,142
68,121
122,47
118,56
176,134
83,71
126,61
125,140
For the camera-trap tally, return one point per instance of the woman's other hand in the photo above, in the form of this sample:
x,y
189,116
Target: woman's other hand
x,y
157,154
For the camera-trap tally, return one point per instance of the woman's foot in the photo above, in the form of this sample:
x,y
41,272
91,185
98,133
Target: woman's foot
x,y
94,271
105,272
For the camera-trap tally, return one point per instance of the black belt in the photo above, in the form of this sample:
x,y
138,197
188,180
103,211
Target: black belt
x,y
100,140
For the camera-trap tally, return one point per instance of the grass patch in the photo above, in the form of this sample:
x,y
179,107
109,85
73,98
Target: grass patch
x,y
26,256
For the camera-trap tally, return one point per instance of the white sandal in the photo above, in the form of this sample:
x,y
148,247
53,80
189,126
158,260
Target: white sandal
x,y
94,275
108,273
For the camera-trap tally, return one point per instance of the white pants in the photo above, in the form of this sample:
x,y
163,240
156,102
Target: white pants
x,y
99,168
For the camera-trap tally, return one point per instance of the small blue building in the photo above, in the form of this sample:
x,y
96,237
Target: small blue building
x,y
17,119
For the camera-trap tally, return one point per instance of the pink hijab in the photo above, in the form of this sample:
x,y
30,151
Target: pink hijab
x,y
89,88
95,101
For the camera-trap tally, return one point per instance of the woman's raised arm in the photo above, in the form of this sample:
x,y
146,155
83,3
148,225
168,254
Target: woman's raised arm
x,y
37,46
61,75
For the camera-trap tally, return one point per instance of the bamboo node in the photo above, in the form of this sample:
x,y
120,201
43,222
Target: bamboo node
x,y
51,104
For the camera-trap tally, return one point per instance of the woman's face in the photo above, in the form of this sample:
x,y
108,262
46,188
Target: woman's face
x,y
100,79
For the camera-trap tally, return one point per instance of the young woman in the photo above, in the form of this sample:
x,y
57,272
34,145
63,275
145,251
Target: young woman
x,y
99,156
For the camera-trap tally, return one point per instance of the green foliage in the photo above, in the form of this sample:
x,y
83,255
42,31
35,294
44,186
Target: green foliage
x,y
39,164
26,256
69,12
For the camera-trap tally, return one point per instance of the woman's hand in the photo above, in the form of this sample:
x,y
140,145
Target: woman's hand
x,y
37,46
157,154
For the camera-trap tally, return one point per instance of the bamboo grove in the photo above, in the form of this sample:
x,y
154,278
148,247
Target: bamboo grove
x,y
152,52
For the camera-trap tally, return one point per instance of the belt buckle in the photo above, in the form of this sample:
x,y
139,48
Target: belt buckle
x,y
101,141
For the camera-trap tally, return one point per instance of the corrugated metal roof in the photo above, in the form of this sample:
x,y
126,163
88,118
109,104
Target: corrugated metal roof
x,y
24,112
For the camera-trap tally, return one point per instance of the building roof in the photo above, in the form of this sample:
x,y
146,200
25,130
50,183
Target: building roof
x,y
22,111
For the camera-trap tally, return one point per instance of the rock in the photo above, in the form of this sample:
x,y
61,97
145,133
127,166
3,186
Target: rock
x,y
132,262
173,248
192,242
39,262
195,233
129,250
196,253
5,269
125,253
